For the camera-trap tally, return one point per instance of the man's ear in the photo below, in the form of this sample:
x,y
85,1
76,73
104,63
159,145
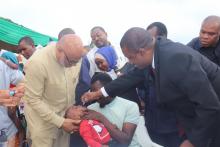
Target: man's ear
x,y
33,46
58,46
142,51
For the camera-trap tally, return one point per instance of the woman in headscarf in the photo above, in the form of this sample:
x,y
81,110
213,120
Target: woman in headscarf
x,y
106,60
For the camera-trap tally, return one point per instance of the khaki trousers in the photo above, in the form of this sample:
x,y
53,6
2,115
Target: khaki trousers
x,y
62,140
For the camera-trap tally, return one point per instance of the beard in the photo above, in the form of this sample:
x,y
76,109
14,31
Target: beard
x,y
102,105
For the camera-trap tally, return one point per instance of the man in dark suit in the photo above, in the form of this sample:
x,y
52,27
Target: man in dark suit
x,y
208,42
161,124
186,82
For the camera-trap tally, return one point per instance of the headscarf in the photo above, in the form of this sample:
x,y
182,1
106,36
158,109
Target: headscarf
x,y
10,56
110,56
13,58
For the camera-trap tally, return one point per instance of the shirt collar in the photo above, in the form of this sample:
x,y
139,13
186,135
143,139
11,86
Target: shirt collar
x,y
153,64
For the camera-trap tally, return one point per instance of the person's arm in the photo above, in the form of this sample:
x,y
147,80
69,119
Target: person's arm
x,y
117,86
125,82
9,63
124,136
18,93
186,143
34,85
83,84
16,76
6,98
11,97
192,80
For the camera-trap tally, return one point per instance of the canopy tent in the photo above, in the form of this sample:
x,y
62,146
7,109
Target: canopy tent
x,y
10,34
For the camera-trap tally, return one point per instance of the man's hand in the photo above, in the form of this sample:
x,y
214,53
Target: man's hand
x,y
70,125
11,97
19,93
75,112
186,143
93,115
5,98
91,96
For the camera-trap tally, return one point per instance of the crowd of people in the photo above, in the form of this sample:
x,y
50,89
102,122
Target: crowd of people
x,y
64,95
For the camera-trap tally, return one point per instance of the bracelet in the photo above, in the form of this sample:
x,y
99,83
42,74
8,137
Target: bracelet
x,y
12,92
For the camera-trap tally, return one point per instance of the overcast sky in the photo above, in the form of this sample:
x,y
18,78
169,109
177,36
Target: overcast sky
x,y
182,17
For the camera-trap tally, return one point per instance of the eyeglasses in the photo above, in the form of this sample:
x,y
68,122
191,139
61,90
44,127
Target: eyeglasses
x,y
70,62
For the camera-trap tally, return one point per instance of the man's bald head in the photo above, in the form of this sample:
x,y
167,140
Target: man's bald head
x,y
212,19
69,50
137,45
65,31
210,31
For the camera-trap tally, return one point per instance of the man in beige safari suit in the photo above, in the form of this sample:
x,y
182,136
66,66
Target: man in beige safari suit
x,y
50,80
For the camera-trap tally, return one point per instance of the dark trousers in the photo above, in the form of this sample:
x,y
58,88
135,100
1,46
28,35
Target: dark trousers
x,y
77,141
216,140
166,139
